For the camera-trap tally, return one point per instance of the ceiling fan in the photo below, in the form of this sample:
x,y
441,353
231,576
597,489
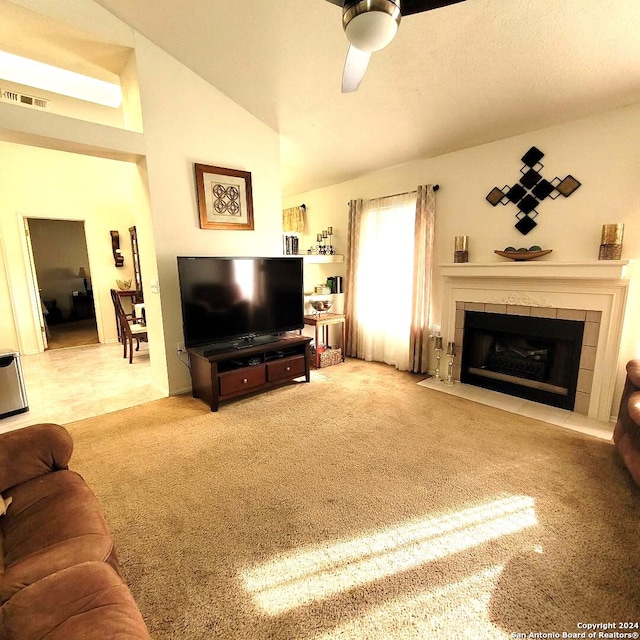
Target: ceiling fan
x,y
371,25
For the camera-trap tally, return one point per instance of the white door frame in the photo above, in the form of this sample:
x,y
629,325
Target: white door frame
x,y
34,295
34,289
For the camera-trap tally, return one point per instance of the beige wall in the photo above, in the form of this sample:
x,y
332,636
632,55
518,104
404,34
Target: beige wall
x,y
40,183
71,107
187,121
602,152
8,334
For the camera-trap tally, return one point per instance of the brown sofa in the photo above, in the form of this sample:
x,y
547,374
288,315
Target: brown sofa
x,y
59,575
627,432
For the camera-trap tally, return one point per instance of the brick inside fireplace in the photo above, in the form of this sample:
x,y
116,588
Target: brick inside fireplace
x,y
540,353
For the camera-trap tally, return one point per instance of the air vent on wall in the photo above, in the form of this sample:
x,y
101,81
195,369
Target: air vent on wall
x,y
22,98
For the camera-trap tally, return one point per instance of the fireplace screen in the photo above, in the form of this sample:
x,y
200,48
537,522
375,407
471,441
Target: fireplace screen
x,y
533,358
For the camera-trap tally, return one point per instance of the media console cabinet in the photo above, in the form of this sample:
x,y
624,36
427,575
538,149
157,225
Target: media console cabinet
x,y
221,375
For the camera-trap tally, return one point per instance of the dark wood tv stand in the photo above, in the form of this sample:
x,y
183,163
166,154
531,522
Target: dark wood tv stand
x,y
224,374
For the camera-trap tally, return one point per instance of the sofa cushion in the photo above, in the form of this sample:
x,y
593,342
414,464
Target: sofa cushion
x,y
4,504
87,600
33,451
634,408
54,522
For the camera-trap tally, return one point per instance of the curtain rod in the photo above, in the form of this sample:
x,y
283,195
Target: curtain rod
x,y
303,206
404,193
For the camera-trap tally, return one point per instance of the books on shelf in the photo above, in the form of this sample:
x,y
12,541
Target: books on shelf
x,y
291,245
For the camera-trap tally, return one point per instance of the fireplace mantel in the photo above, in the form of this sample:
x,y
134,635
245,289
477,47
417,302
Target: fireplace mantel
x,y
592,270
599,286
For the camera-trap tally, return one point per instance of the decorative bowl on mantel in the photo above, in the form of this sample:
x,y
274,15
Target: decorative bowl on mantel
x,y
523,254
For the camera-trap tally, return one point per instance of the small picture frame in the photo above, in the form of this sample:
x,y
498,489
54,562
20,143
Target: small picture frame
x,y
224,198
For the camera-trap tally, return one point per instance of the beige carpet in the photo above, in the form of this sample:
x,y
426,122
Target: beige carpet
x,y
362,506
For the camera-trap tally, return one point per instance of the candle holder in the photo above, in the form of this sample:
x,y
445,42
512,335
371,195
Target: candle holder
x,y
461,249
451,353
330,248
437,338
611,242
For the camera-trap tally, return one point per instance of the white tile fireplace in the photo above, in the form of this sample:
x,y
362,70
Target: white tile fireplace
x,y
593,292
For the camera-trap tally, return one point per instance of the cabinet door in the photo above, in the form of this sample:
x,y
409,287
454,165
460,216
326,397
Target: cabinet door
x,y
240,379
286,368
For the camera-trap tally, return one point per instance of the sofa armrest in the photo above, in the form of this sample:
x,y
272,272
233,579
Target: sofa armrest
x,y
33,451
633,372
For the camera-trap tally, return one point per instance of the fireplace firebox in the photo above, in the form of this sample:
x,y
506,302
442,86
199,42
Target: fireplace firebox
x,y
529,357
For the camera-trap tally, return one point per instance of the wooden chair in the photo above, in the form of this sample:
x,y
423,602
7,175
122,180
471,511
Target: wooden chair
x,y
128,330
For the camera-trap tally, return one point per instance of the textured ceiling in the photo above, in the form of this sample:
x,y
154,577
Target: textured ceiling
x,y
455,77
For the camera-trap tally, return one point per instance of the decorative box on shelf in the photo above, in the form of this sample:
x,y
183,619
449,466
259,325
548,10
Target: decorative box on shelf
x,y
330,357
326,356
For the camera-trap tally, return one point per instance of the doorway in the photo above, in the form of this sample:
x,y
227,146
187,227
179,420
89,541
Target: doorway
x,y
61,269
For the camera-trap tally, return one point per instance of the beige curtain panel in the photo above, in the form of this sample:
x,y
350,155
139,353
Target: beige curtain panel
x,y
353,242
293,219
422,278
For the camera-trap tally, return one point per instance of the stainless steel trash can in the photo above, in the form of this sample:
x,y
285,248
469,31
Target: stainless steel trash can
x,y
13,396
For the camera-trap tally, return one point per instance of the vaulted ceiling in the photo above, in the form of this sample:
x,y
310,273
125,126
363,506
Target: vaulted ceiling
x,y
453,78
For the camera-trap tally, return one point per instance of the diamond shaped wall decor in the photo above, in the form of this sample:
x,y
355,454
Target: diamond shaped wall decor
x,y
531,189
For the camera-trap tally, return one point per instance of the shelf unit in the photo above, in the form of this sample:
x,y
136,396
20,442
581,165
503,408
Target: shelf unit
x,y
312,258
321,296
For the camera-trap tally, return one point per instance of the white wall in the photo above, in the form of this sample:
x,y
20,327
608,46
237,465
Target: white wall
x,y
187,121
41,183
602,152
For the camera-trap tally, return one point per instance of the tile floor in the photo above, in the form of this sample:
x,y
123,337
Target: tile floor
x,y
65,385
543,412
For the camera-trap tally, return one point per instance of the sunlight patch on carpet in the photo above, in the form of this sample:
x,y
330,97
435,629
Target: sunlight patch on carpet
x,y
314,574
459,610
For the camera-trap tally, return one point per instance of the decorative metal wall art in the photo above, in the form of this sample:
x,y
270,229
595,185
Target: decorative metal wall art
x,y
115,246
530,190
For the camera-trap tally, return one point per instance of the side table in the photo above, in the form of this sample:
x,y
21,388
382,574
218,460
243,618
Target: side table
x,y
321,322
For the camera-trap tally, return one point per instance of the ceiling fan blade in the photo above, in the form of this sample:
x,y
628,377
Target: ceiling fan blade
x,y
418,6
336,2
355,67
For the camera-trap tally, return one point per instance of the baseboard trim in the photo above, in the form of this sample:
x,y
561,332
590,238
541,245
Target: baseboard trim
x,y
180,392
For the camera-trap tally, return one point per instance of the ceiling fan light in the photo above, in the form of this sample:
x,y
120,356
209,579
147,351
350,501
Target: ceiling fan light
x,y
371,31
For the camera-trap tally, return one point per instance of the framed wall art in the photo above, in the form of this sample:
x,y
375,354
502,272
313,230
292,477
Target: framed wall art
x,y
224,198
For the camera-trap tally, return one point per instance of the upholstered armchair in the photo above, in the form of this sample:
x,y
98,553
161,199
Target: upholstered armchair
x,y
627,432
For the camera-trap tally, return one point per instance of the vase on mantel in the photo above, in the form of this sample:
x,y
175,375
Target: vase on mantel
x,y
461,249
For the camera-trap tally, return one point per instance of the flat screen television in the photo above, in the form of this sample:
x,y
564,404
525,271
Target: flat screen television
x,y
237,302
